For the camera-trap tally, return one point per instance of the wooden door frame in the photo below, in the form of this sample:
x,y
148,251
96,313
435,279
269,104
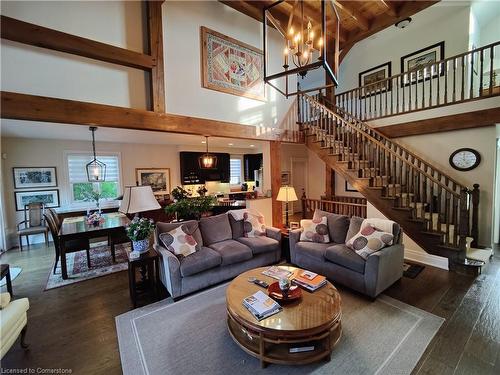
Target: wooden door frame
x,y
299,193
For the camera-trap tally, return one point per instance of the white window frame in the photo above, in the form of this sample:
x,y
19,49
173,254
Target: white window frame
x,y
105,203
242,177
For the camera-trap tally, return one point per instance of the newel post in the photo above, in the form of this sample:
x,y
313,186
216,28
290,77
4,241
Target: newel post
x,y
304,204
463,228
474,232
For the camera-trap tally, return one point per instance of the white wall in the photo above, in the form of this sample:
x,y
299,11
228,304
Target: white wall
x,y
185,95
38,71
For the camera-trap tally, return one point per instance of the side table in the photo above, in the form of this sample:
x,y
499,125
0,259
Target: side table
x,y
285,245
148,265
6,273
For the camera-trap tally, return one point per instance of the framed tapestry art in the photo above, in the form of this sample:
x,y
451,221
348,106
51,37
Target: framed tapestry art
x,y
157,178
420,59
374,75
231,66
48,197
34,177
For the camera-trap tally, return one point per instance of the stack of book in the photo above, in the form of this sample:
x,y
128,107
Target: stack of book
x,y
261,305
277,273
309,280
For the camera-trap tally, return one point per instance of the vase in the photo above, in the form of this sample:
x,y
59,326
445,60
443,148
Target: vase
x,y
141,246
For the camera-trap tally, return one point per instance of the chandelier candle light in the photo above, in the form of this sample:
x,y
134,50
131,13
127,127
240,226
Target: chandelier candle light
x,y
207,161
96,169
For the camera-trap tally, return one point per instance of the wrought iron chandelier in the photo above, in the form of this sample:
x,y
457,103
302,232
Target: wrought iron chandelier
x,y
207,160
96,169
310,38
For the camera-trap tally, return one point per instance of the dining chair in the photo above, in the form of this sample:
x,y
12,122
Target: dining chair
x,y
70,246
33,223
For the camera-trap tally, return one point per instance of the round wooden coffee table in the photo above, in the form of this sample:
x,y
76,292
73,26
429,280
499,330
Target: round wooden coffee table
x,y
314,321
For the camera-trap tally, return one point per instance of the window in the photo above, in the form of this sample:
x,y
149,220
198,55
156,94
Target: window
x,y
81,188
235,170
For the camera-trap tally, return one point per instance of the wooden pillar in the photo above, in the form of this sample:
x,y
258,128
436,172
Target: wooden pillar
x,y
155,30
275,153
474,232
329,183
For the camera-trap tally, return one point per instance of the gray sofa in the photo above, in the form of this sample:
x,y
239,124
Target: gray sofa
x,y
342,265
222,253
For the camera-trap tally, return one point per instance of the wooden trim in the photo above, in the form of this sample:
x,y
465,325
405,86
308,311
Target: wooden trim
x,y
39,36
468,120
329,182
39,108
155,30
390,7
361,21
275,155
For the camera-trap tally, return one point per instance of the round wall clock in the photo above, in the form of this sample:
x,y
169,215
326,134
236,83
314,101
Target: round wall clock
x,y
465,159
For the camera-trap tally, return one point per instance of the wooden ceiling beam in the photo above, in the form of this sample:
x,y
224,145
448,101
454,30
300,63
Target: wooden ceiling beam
x,y
155,31
390,7
39,36
385,20
44,109
361,21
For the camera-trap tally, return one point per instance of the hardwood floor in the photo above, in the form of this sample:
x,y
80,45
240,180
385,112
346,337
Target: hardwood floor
x,y
73,327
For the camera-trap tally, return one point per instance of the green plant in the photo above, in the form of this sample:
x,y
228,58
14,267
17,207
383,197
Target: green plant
x,y
140,229
179,193
191,208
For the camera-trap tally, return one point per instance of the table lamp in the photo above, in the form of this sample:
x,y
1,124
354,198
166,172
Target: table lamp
x,y
287,194
138,199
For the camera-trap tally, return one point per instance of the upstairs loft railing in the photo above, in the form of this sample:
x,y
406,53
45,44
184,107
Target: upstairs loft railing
x,y
462,78
434,196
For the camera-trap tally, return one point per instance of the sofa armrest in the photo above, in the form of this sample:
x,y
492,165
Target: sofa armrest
x,y
383,268
170,273
4,300
294,236
273,233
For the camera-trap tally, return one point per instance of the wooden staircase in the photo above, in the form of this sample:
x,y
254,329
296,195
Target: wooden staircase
x,y
433,209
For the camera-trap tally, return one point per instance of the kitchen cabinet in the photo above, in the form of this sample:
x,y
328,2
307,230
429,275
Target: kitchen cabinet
x,y
251,162
192,174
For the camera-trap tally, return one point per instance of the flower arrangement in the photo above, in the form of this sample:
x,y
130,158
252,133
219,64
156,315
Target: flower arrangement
x,y
140,229
95,219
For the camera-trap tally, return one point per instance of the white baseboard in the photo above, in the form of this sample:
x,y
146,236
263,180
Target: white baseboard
x,y
425,258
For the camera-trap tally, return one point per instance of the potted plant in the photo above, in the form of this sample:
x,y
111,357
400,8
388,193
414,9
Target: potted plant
x,y
139,231
185,207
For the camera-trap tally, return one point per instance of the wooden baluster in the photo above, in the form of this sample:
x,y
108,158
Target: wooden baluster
x,y
481,62
491,71
454,79
455,220
474,232
446,82
462,92
439,69
430,84
431,205
464,222
416,90
409,92
423,86
471,73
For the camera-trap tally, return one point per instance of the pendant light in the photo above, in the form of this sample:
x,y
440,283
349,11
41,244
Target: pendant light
x,y
207,160
96,170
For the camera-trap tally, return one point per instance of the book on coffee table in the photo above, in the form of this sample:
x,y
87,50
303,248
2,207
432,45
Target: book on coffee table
x,y
277,272
261,305
309,280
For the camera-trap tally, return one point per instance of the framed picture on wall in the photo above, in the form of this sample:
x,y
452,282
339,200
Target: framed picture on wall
x,y
48,197
349,187
420,59
157,178
285,178
231,66
34,177
374,75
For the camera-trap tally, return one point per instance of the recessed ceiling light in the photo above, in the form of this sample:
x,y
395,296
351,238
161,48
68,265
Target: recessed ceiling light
x,y
403,23
230,144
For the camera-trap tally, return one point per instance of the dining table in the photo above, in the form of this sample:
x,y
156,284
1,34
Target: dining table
x,y
72,228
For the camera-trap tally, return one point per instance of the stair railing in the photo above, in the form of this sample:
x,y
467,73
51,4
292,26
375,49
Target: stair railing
x,y
465,77
435,199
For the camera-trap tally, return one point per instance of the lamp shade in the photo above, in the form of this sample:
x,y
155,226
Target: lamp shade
x,y
138,199
287,194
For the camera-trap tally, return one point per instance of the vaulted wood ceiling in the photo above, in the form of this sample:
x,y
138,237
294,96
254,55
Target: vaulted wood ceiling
x,y
358,19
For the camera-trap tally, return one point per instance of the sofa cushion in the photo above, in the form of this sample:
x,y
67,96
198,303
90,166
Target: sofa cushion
x,y
236,227
232,251
260,244
202,260
190,226
253,225
343,256
178,241
215,229
354,227
369,240
314,230
313,249
337,225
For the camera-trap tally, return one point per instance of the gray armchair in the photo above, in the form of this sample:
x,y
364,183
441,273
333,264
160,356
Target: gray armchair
x,y
342,265
33,223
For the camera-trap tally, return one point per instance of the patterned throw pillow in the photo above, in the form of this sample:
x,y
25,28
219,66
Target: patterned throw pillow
x,y
369,240
179,242
315,230
253,225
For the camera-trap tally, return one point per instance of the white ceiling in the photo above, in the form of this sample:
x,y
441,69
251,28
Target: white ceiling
x,y
46,130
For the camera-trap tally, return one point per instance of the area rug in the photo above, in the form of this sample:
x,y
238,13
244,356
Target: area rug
x,y
14,272
412,270
101,265
191,337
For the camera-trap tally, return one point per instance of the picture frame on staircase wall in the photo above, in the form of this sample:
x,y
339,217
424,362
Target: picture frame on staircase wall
x,y
350,188
419,60
370,78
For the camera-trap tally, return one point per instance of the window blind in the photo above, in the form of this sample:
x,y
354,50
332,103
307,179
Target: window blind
x,y
78,171
235,171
